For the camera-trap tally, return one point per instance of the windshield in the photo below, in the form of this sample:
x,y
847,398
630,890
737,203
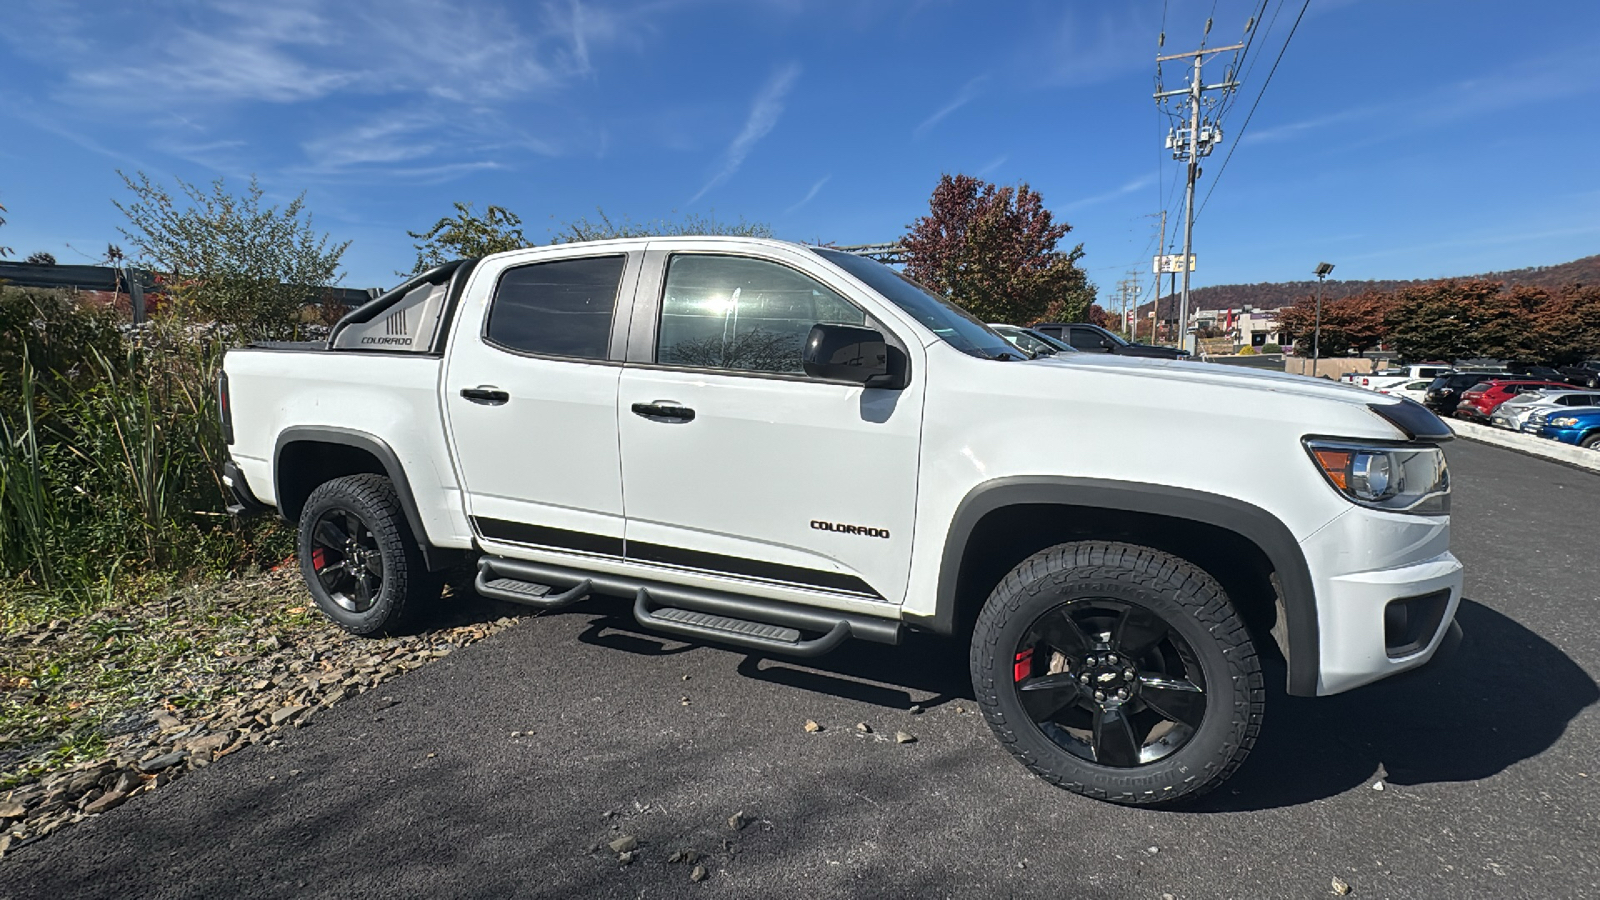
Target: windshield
x,y
954,325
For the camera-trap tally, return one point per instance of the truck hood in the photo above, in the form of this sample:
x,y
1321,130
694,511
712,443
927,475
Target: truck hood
x,y
1216,374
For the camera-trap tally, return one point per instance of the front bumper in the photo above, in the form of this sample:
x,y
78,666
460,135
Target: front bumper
x,y
1564,435
244,502
1387,590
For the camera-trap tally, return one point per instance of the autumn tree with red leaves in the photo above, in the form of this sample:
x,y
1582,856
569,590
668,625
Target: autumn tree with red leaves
x,y
992,250
1356,323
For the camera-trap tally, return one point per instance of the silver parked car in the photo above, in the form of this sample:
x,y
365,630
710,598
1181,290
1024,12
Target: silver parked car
x,y
1516,412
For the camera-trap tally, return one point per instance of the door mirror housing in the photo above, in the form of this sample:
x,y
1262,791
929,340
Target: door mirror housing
x,y
1106,343
854,354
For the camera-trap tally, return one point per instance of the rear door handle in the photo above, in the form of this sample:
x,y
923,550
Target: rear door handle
x,y
486,394
664,411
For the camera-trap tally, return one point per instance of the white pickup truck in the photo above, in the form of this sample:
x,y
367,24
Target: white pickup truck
x,y
784,447
1390,378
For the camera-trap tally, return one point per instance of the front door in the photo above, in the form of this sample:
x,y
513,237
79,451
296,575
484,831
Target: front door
x,y
530,390
735,464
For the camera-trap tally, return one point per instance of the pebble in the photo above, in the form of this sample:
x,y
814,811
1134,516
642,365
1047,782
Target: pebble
x,y
916,710
1340,886
901,737
624,844
698,874
812,727
864,728
11,809
163,761
738,821
1377,785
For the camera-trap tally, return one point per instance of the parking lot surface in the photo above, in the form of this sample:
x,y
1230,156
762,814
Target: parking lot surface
x,y
499,770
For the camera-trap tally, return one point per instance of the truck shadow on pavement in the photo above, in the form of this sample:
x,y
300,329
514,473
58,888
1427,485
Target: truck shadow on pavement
x,y
1506,695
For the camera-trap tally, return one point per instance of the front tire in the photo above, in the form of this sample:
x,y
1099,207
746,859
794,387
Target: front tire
x,y
1592,442
1118,672
359,558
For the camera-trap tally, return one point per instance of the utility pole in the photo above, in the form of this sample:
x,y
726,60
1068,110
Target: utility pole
x,y
1189,145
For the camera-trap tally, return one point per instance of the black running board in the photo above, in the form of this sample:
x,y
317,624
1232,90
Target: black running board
x,y
738,632
755,623
528,593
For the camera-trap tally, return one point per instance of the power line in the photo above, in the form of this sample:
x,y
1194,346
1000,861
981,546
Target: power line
x,y
1248,116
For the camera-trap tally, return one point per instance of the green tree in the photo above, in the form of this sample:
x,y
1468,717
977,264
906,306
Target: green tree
x,y
232,260
993,250
467,235
604,228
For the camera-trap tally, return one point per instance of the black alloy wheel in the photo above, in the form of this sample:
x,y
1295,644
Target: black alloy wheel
x,y
1119,672
347,560
359,559
1110,682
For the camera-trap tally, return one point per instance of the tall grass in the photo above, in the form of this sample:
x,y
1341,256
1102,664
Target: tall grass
x,y
109,453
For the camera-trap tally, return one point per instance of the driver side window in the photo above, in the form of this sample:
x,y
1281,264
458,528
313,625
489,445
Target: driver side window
x,y
742,314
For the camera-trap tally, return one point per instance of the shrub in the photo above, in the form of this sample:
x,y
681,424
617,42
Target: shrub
x,y
109,454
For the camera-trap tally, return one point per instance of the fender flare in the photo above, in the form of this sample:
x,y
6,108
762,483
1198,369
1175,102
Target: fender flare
x,y
1261,528
360,440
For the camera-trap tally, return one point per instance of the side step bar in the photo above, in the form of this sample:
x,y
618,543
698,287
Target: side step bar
x,y
759,624
526,592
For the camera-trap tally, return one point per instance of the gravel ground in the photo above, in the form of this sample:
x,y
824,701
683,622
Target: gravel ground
x,y
572,755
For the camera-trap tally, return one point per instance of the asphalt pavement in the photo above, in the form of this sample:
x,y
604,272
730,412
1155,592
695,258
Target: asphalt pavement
x,y
496,772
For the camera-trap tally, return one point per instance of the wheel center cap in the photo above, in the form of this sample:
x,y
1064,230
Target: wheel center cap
x,y
1111,678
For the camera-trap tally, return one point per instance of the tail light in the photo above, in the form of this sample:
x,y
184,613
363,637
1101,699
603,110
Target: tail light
x,y
225,408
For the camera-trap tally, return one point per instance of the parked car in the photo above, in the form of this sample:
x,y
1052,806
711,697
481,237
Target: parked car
x,y
1585,374
816,450
1546,372
1515,412
1411,390
1377,381
1094,339
1032,342
1481,400
1573,426
1444,393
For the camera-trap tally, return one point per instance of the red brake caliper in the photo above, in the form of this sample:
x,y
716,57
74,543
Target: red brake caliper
x,y
317,561
1023,667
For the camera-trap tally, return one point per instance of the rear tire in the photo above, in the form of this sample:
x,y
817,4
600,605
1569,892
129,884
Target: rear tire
x,y
1051,656
359,558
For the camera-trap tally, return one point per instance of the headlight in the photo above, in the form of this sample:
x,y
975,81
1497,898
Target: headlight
x,y
1564,422
1409,479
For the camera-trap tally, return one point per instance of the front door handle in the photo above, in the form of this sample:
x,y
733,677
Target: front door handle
x,y
486,394
664,411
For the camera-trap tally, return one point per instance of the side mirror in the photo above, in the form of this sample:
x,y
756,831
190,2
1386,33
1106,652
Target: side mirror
x,y
849,353
1106,343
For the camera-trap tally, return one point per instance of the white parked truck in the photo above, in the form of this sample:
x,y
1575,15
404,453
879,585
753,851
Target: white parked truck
x,y
783,447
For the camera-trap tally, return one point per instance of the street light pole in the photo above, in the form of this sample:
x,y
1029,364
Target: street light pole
x,y
1316,335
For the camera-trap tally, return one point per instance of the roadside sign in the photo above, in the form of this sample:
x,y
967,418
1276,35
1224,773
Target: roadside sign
x,y
1171,262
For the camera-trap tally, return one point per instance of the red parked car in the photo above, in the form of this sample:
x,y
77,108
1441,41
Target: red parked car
x,y
1481,399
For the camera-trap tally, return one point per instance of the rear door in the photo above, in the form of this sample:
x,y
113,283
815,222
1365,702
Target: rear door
x,y
735,464
530,396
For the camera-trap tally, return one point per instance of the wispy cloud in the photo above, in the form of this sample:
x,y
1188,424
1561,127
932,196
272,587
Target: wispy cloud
x,y
965,95
763,117
810,195
991,165
1137,184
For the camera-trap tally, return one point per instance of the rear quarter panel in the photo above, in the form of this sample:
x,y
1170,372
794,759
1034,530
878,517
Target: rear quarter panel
x,y
391,397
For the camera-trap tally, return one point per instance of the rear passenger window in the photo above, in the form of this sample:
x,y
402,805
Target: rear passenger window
x,y
729,312
560,308
1084,339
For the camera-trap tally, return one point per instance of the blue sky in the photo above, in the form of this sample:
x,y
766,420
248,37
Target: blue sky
x,y
1397,139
